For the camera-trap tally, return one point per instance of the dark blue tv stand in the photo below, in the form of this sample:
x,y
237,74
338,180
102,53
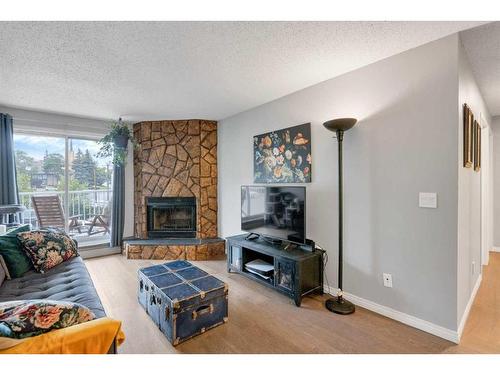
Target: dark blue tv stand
x,y
297,272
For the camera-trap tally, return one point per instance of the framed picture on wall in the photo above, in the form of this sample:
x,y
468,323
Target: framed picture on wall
x,y
283,156
468,136
477,146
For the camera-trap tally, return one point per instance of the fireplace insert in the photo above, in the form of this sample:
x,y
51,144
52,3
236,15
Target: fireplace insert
x,y
171,217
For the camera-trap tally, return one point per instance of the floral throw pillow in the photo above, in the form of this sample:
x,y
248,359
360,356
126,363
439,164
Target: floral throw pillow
x,y
22,319
47,248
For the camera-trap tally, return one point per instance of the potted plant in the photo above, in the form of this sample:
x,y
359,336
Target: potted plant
x,y
115,143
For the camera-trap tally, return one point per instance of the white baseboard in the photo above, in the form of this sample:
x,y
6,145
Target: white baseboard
x,y
465,315
495,249
407,319
99,252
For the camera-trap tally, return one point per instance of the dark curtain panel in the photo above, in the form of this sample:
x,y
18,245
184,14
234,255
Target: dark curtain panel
x,y
118,207
8,183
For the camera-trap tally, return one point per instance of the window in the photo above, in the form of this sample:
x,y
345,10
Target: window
x,y
67,167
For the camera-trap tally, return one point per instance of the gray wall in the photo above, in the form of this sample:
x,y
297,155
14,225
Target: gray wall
x,y
469,190
405,143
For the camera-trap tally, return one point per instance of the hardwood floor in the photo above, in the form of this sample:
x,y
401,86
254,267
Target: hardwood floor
x,y
263,321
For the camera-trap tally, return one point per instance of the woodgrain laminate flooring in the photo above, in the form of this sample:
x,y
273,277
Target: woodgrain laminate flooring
x,y
263,321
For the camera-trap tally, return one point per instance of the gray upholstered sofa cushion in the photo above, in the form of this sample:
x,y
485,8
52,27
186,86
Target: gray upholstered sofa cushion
x,y
69,281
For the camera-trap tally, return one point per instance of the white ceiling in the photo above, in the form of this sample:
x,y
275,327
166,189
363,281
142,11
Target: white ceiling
x,y
482,45
173,70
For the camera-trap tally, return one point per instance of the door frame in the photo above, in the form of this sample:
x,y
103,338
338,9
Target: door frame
x,y
486,201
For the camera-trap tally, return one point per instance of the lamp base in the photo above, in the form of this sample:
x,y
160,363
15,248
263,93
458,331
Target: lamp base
x,y
339,305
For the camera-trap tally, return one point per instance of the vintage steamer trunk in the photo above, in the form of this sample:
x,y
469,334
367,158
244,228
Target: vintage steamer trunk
x,y
182,300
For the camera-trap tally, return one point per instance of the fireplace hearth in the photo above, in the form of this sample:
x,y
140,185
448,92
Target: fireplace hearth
x,y
171,217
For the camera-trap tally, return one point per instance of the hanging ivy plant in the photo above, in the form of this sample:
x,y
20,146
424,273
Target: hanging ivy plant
x,y
115,143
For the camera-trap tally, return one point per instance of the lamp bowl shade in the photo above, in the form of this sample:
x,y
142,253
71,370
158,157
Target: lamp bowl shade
x,y
340,124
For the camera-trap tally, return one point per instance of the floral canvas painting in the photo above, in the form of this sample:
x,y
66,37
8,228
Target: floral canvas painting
x,y
283,156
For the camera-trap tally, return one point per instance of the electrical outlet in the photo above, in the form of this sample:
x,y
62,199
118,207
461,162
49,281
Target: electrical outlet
x,y
473,268
387,280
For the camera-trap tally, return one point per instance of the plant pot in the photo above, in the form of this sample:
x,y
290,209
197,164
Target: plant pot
x,y
121,141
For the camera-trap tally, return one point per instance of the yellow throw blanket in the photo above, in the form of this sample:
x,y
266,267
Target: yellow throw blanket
x,y
94,337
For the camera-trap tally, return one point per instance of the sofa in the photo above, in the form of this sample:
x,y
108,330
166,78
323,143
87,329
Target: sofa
x,y
68,281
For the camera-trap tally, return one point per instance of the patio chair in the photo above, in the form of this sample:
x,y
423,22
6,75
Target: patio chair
x,y
100,221
49,213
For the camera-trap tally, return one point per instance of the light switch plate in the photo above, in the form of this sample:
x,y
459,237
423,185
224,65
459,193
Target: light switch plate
x,y
427,200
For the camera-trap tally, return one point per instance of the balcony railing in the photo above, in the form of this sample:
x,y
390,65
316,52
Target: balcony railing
x,y
86,204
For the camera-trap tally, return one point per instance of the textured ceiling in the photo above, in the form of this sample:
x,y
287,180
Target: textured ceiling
x,y
174,70
482,45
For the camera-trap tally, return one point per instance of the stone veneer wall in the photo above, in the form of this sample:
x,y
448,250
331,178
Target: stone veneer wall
x,y
207,251
177,159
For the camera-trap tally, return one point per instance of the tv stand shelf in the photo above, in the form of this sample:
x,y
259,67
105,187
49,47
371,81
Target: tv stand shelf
x,y
297,272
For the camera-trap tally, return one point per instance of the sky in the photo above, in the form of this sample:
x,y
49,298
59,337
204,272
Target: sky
x,y
35,146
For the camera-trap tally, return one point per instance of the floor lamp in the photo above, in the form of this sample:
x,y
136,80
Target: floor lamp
x,y
339,305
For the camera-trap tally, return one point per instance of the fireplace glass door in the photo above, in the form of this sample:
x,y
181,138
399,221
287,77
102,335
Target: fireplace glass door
x,y
171,217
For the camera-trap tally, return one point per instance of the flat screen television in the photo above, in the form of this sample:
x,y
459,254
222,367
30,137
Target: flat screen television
x,y
276,212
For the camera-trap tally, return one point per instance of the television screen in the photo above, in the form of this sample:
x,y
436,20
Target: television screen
x,y
276,212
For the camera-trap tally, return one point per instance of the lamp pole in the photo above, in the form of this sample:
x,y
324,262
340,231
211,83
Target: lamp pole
x,y
339,305
340,139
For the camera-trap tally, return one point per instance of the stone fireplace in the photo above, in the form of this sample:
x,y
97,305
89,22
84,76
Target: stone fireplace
x,y
175,192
